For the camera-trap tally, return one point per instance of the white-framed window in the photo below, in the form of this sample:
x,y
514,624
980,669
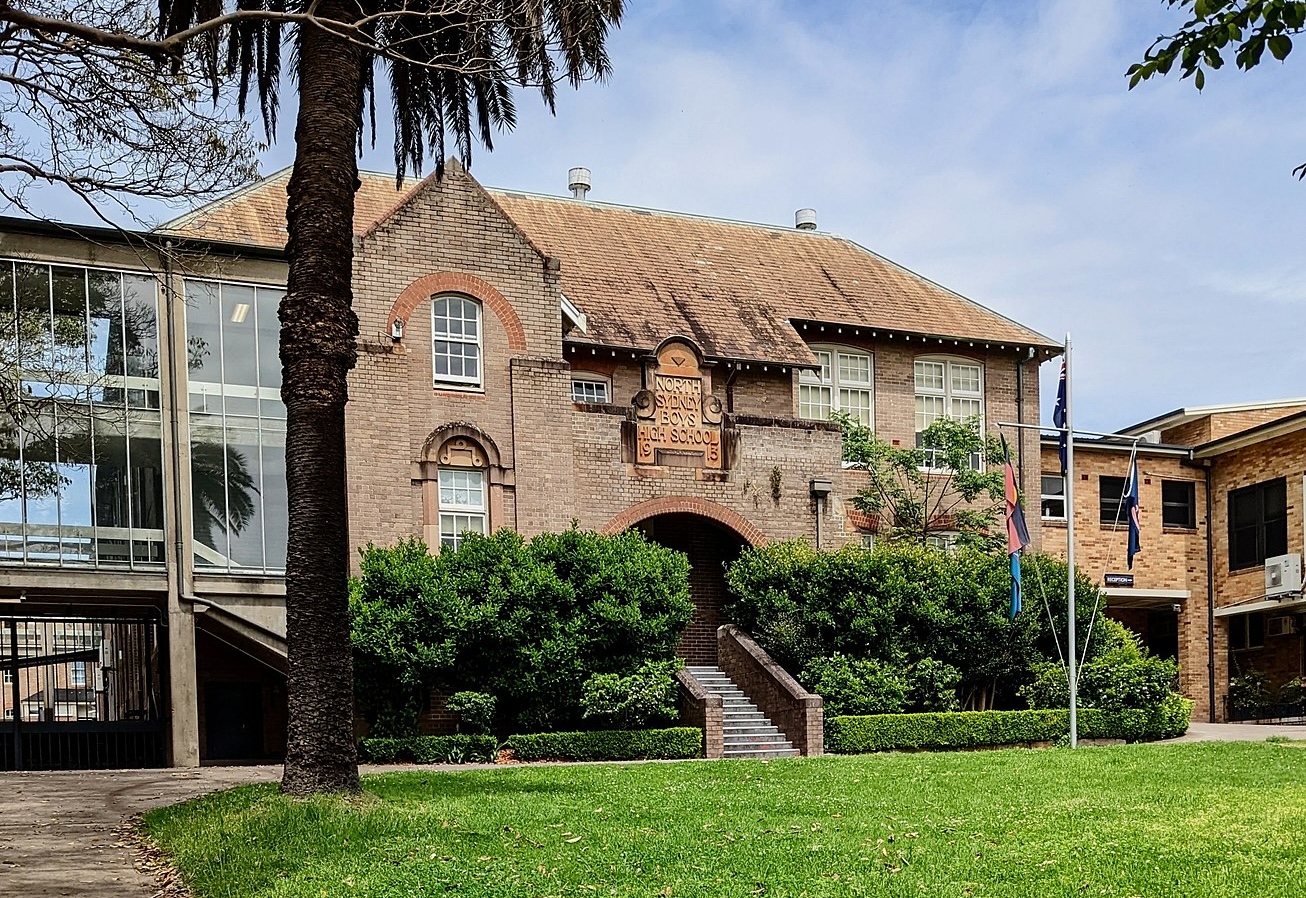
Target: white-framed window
x,y
844,383
948,388
77,673
1054,497
590,390
462,504
456,336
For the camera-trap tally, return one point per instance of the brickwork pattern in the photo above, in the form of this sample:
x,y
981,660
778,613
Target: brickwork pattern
x,y
702,709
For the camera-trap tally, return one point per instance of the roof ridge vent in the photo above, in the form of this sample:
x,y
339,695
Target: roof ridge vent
x,y
805,219
578,182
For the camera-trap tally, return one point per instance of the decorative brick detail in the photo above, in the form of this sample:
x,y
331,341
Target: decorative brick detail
x,y
797,713
424,288
686,505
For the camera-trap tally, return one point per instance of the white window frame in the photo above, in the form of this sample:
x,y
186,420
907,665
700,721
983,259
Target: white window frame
x,y
950,396
830,380
466,381
1046,497
591,382
77,673
457,505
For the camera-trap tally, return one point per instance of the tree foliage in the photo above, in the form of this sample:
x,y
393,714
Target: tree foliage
x,y
945,485
920,611
529,623
1217,30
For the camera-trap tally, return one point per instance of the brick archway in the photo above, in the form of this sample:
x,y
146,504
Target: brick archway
x,y
687,505
422,289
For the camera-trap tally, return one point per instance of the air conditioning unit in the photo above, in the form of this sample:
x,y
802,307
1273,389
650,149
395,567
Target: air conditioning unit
x,y
1283,575
1281,626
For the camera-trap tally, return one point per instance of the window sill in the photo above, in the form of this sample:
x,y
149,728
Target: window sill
x,y
1054,522
1251,569
458,390
1177,528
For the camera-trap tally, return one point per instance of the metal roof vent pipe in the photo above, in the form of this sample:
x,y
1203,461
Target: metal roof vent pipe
x,y
578,180
805,219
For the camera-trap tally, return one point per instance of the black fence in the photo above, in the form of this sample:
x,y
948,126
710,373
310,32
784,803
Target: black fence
x,y
81,693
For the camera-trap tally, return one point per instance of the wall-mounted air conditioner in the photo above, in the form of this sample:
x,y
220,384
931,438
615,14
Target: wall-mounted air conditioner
x,y
1283,575
1280,626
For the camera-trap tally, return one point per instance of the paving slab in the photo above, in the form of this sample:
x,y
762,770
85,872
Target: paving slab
x,y
1240,732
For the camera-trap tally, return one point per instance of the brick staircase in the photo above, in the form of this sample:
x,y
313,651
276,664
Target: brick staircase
x,y
748,733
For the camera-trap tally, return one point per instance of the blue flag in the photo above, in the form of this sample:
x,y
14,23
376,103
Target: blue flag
x,y
1059,418
1131,509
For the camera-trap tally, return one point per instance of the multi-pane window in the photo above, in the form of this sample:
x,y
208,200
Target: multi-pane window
x,y
1178,503
456,330
77,673
81,434
594,392
462,504
1054,497
1110,500
948,388
844,383
1258,523
1246,631
237,427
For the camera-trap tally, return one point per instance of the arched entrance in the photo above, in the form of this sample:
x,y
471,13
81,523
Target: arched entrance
x,y
710,546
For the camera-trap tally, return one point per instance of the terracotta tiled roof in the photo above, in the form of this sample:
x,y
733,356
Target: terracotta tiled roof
x,y
256,214
640,276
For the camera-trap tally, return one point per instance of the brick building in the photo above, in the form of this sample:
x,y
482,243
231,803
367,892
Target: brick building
x,y
1221,493
525,361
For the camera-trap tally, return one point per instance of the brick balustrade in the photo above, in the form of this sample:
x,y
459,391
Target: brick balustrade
x,y
796,712
702,709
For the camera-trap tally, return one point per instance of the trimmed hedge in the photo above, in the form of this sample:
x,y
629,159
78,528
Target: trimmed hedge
x,y
673,743
978,729
456,749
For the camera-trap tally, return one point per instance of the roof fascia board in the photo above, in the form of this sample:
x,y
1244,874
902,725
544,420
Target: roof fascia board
x,y
1252,436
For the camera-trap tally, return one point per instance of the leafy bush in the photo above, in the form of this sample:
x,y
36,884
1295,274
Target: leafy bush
x,y
933,686
902,603
856,686
1122,676
457,749
525,622
648,696
1249,694
475,711
609,745
978,729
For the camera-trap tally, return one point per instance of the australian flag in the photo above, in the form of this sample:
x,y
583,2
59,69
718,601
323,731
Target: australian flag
x,y
1131,509
1059,418
1017,532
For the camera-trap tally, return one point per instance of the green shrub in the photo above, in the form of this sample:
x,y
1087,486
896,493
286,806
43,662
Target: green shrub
x,y
856,686
609,745
456,749
647,697
902,603
977,729
1249,693
475,711
1121,677
933,686
525,622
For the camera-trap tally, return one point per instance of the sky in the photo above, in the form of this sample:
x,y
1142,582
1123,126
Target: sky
x,y
990,145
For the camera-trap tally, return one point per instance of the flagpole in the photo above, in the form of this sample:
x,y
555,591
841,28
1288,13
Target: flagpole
x,y
1070,554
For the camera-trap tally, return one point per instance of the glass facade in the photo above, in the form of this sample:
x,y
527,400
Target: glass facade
x,y
237,427
81,479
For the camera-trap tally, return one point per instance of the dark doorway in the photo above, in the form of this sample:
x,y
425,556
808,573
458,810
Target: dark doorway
x,y
234,717
709,547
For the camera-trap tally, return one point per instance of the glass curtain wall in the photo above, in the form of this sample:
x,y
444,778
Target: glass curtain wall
x,y
237,427
81,479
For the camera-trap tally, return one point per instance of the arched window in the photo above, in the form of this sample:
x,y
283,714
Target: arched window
x,y
948,388
456,336
844,383
462,494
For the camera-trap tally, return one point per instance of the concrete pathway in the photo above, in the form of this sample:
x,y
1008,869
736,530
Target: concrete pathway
x,y
60,832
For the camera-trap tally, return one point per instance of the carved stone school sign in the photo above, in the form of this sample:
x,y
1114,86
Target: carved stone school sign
x,y
675,417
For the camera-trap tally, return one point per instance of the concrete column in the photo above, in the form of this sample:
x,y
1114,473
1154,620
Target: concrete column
x,y
183,696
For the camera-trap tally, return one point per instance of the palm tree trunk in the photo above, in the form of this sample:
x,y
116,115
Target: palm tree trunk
x,y
317,350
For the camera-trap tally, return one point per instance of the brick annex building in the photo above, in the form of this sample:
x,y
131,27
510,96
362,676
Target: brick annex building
x,y
1218,582
525,361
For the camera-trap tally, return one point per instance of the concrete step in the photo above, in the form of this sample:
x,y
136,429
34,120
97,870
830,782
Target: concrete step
x,y
748,754
747,732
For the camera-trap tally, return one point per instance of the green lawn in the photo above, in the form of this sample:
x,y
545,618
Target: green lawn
x,y
1202,819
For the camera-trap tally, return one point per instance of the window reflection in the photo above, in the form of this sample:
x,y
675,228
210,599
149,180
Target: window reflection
x,y
238,479
80,431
